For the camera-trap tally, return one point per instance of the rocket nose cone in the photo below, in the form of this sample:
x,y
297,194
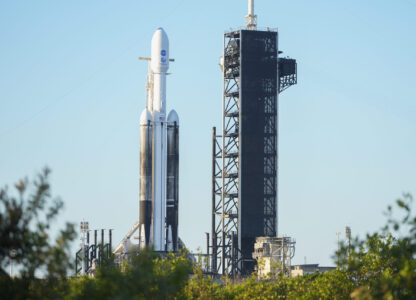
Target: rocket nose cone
x,y
161,31
160,51
145,117
173,117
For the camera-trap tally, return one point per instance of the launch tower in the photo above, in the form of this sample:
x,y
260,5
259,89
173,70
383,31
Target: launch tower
x,y
245,153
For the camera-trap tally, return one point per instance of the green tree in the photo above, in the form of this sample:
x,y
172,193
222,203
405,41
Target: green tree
x,y
383,265
25,229
146,276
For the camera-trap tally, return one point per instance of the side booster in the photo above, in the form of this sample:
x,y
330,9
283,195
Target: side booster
x,y
159,156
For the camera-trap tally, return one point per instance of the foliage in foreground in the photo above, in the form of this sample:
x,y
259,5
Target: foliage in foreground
x,y
381,266
25,225
146,276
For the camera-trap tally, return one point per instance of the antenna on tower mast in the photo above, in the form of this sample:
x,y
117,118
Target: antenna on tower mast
x,y
251,18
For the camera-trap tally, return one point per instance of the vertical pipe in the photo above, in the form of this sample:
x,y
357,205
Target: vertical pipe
x,y
214,253
232,253
101,252
250,7
283,255
207,259
223,162
213,187
95,243
224,270
110,238
87,252
207,234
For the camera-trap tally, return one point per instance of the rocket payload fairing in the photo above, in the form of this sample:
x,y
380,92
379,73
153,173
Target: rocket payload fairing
x,y
159,156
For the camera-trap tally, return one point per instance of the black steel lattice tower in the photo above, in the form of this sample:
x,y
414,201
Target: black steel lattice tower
x,y
244,163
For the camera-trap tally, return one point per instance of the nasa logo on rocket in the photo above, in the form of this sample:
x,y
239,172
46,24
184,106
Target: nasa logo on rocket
x,y
163,58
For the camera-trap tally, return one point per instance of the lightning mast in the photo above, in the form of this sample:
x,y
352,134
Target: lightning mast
x,y
251,18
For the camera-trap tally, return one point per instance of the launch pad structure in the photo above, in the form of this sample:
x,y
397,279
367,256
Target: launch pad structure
x,y
244,199
245,153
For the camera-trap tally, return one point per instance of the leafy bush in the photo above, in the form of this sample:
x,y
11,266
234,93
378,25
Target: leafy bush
x,y
381,266
146,276
25,223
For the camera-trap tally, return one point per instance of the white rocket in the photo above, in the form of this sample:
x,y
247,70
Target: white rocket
x,y
159,156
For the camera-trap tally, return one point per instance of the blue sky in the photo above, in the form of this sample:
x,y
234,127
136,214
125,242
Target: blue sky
x,y
72,90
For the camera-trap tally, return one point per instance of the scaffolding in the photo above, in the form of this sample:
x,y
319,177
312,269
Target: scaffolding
x,y
93,253
244,174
